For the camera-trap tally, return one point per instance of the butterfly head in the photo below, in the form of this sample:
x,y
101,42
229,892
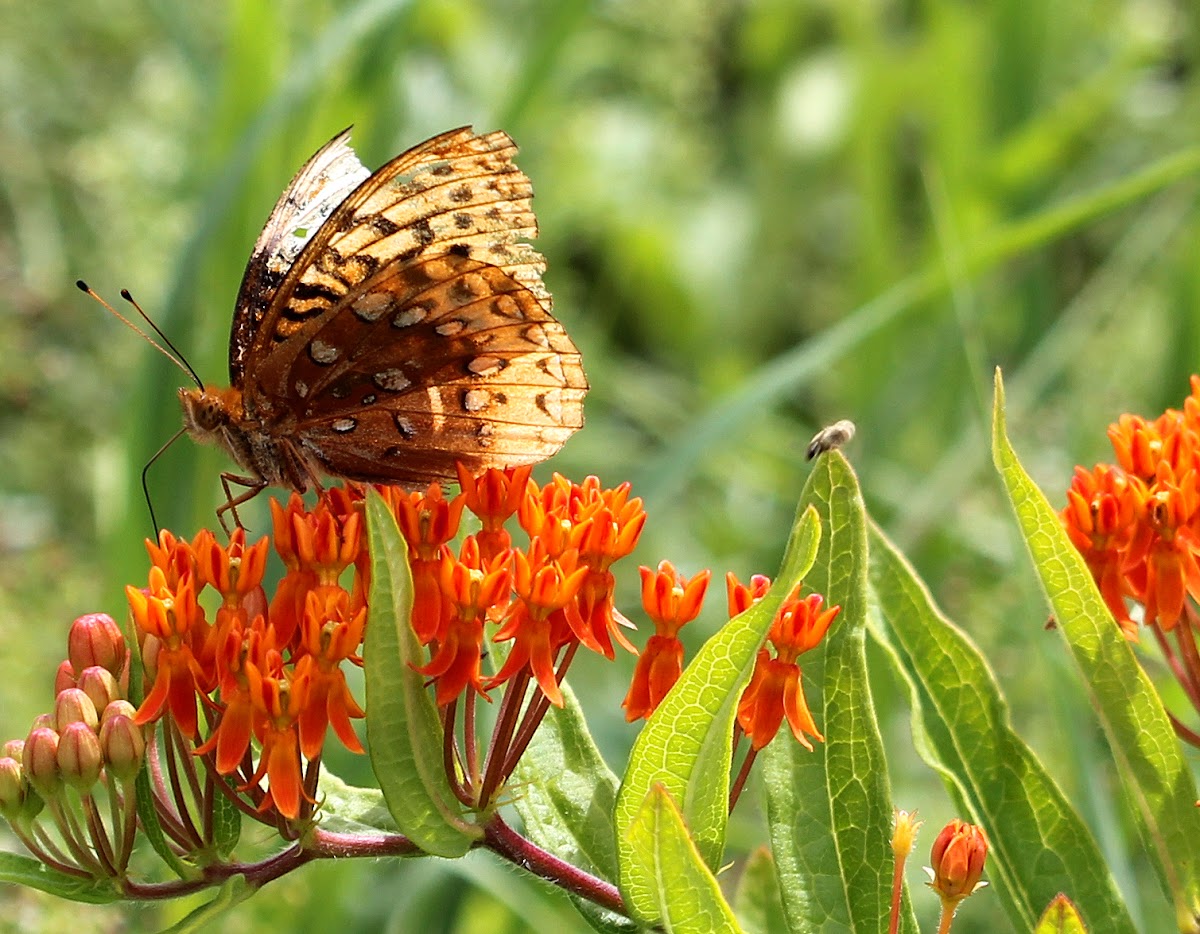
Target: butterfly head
x,y
207,411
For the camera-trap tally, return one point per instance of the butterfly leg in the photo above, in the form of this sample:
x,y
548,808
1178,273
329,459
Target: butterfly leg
x,y
254,486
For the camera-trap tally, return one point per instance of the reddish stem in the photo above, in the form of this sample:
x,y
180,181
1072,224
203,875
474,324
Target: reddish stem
x,y
506,842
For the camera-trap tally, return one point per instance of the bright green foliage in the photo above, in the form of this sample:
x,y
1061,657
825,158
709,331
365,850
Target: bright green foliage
x,y
684,747
403,728
1157,778
830,810
685,895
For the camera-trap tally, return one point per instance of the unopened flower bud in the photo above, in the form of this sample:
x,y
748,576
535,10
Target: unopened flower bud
x,y
74,706
39,759
13,748
100,685
45,720
117,708
957,856
150,647
13,788
79,759
65,677
95,639
123,744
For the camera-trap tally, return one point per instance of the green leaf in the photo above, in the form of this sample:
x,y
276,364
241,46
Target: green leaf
x,y
686,897
565,792
1061,917
350,809
1147,755
232,893
686,744
829,811
18,869
1039,845
758,902
227,823
403,727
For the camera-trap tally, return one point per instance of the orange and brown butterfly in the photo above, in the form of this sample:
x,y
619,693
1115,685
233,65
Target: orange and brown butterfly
x,y
392,324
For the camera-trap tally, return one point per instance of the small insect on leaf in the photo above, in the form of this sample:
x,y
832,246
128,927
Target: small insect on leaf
x,y
831,437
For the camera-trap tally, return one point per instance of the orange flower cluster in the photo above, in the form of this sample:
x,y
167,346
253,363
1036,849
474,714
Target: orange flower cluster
x,y
774,689
1137,524
549,599
275,667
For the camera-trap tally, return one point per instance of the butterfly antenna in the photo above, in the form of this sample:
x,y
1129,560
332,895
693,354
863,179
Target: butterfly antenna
x,y
125,294
176,358
145,474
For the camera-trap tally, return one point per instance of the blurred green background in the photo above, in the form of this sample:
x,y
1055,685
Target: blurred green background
x,y
759,216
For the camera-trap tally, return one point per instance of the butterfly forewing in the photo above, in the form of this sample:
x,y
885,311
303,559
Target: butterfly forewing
x,y
455,191
319,187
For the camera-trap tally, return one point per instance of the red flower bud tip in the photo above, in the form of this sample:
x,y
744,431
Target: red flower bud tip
x,y
96,639
100,685
39,759
65,677
957,856
74,706
122,743
79,759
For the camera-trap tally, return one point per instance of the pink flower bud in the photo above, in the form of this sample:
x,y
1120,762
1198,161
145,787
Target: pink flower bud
x,y
100,685
95,639
13,748
123,744
65,677
74,706
117,708
39,759
79,759
13,788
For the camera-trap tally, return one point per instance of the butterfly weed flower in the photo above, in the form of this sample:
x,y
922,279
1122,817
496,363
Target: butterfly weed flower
x,y
427,521
774,690
1136,523
671,601
472,585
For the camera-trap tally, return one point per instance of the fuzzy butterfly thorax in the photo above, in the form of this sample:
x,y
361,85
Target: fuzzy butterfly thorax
x,y
392,324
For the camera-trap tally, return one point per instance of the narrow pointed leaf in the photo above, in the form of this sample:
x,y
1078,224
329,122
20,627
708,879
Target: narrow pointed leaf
x,y
1147,755
685,746
686,895
829,811
17,869
403,728
758,902
1039,845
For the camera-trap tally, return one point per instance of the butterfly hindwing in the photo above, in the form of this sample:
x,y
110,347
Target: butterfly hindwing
x,y
442,359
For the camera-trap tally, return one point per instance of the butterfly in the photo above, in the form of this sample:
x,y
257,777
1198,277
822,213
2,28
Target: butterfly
x,y
392,324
